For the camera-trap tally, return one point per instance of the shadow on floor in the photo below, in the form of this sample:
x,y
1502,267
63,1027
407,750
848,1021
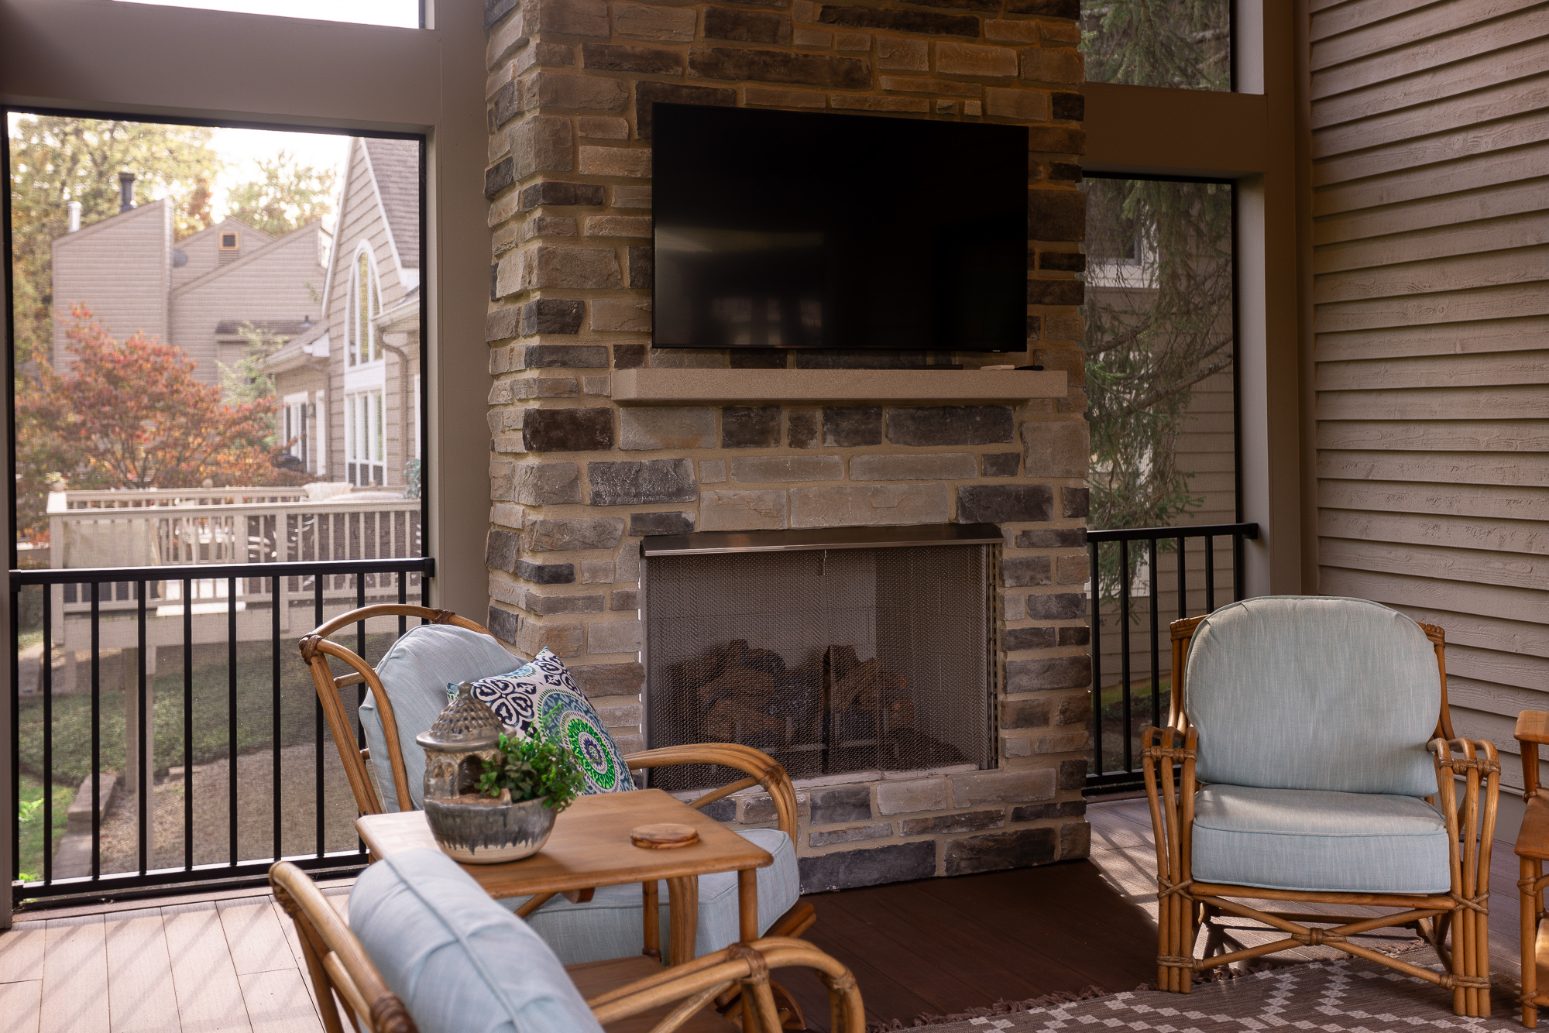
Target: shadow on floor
x,y
942,946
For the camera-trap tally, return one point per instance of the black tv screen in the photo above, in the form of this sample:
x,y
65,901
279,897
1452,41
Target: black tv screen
x,y
778,229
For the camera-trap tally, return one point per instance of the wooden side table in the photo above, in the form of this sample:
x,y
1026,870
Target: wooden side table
x,y
1532,851
590,847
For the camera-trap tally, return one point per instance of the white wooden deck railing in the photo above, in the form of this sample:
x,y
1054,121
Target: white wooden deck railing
x,y
165,527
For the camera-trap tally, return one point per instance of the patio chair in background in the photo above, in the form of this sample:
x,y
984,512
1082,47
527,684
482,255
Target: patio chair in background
x,y
1309,758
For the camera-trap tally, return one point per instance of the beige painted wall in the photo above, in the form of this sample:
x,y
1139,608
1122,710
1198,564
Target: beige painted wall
x,y
119,268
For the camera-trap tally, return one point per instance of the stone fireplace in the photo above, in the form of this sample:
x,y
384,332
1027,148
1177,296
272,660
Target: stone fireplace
x,y
602,442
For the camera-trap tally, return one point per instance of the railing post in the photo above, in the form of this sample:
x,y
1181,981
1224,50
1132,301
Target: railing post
x,y
9,756
1095,622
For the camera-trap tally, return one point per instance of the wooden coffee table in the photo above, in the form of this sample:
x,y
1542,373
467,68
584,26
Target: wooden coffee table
x,y
590,847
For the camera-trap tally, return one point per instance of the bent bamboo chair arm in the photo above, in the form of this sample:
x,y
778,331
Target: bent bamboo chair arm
x,y
698,983
323,656
1167,764
759,768
335,960
1471,820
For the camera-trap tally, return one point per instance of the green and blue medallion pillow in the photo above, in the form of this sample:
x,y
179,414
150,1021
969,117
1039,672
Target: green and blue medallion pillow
x,y
542,694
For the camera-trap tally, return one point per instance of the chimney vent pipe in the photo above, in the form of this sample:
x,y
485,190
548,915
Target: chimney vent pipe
x,y
74,208
125,191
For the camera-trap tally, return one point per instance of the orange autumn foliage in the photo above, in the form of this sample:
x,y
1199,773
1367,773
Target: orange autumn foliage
x,y
131,414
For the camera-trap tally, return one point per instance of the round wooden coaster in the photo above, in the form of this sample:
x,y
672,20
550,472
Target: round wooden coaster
x,y
664,835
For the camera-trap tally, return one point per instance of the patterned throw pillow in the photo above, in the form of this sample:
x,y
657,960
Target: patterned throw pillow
x,y
542,694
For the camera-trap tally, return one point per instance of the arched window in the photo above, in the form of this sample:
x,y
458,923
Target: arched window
x,y
365,299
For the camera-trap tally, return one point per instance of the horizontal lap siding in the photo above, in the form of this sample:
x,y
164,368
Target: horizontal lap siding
x,y
1430,150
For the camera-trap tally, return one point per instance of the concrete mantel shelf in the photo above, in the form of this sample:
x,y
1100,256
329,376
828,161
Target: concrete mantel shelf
x,y
677,386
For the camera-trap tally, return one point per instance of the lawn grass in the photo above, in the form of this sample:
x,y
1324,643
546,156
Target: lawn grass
x,y
30,826
210,694
1139,689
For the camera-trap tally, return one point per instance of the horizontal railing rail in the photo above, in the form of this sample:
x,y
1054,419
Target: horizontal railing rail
x,y
1161,573
193,715
118,498
239,527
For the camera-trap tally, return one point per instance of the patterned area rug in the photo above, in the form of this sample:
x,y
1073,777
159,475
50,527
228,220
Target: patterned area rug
x,y
1337,996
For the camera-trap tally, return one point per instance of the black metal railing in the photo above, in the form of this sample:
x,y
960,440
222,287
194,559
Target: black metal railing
x,y
1139,575
233,728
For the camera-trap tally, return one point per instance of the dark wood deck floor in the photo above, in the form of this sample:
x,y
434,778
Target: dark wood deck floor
x,y
948,945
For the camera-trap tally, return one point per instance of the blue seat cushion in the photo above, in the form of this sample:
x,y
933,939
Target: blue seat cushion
x,y
415,673
1310,839
1299,692
458,961
609,925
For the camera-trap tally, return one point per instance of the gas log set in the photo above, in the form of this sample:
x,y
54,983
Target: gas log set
x,y
831,713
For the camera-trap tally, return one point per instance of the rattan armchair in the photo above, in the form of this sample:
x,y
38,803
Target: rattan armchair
x,y
1444,900
336,667
659,1000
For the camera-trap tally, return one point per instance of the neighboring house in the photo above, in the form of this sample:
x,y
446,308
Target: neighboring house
x,y
199,293
349,388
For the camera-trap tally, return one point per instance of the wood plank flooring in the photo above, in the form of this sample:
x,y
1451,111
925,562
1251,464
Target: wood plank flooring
x,y
186,966
945,945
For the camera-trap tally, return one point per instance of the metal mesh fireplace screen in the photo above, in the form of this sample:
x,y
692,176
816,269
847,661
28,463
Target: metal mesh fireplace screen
x,y
832,660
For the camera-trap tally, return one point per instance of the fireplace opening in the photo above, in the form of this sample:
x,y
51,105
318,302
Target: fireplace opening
x,y
840,651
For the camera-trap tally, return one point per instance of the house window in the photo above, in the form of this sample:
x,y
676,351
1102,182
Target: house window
x,y
231,241
295,430
364,438
361,343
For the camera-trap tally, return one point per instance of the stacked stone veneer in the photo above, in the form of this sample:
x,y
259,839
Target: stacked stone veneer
x,y
577,479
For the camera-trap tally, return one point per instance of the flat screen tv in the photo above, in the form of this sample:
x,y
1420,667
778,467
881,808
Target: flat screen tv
x,y
777,229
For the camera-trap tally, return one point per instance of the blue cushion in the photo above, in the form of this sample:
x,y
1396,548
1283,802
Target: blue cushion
x,y
414,674
1292,692
458,961
542,694
1307,839
609,925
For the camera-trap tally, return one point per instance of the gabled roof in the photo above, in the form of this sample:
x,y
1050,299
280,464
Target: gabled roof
x,y
395,165
248,257
253,233
117,219
309,348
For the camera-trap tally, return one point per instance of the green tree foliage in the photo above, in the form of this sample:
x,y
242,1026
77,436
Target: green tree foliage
x,y
1179,43
58,159
1158,323
1158,305
284,196
245,380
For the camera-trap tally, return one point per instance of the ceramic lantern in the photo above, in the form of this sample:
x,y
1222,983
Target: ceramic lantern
x,y
465,735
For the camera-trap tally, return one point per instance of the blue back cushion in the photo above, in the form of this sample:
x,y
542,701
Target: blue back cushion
x,y
457,960
1313,692
414,674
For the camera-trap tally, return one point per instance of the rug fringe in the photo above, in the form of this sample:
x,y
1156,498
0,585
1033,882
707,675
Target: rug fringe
x,y
998,1008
